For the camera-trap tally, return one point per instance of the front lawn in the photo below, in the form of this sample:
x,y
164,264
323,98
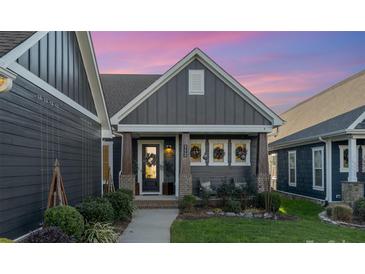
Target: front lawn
x,y
234,229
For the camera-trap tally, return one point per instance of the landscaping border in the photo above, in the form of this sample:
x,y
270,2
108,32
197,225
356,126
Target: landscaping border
x,y
324,218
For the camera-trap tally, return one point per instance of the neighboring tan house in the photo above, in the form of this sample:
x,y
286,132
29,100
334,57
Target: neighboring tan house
x,y
194,123
319,152
51,107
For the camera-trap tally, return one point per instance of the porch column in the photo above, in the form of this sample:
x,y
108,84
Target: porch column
x,y
352,160
127,178
185,180
352,190
263,177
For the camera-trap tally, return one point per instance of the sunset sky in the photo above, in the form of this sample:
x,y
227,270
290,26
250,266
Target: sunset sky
x,y
280,68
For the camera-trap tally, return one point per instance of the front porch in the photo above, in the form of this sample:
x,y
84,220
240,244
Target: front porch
x,y
162,167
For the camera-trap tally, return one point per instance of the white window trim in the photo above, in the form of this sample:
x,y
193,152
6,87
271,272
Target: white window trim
x,y
294,152
225,146
247,142
203,145
314,149
199,72
346,169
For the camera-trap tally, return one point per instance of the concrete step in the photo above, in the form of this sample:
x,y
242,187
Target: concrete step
x,y
156,203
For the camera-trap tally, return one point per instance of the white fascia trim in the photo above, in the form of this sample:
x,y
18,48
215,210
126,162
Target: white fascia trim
x,y
18,51
357,121
218,71
7,73
92,72
194,128
23,72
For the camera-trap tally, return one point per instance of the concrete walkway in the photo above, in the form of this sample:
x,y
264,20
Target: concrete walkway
x,y
149,226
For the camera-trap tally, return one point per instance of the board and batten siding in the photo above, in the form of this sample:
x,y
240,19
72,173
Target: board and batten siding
x,y
35,129
56,59
172,104
304,182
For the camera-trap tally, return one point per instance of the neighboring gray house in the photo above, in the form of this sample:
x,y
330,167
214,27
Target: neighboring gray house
x,y
193,123
320,150
51,106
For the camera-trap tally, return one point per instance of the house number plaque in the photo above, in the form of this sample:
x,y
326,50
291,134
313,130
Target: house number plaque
x,y
185,151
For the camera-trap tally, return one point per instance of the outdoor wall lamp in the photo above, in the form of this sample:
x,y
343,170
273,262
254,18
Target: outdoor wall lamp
x,y
169,150
6,80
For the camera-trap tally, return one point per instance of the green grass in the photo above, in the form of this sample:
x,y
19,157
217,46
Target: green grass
x,y
308,228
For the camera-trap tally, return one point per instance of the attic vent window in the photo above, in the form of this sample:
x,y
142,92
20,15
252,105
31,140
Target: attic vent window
x,y
196,82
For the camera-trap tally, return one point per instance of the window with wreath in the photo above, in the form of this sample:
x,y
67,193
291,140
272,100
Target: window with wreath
x,y
197,152
218,152
240,152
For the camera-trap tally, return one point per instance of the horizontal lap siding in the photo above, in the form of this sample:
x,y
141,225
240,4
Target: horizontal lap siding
x,y
172,104
35,129
337,176
304,171
57,59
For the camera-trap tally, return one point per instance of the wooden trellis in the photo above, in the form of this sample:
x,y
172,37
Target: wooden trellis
x,y
57,194
109,184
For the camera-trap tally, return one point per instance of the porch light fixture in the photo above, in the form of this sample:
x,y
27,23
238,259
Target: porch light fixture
x,y
169,151
6,80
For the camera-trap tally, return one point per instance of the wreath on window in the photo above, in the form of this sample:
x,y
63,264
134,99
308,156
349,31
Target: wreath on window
x,y
218,153
195,152
241,153
151,159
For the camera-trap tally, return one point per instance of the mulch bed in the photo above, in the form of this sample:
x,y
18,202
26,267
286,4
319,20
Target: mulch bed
x,y
120,226
200,213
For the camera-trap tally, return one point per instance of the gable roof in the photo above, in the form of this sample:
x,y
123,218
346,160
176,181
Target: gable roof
x,y
27,40
336,100
345,123
10,39
120,89
212,66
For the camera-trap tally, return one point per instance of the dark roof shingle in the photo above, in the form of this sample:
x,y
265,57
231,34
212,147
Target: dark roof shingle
x,y
120,89
338,123
11,39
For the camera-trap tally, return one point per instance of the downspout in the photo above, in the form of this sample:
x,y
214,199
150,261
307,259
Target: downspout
x,y
121,155
328,144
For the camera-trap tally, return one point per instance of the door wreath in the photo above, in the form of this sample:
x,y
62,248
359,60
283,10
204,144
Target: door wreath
x,y
195,152
218,153
241,153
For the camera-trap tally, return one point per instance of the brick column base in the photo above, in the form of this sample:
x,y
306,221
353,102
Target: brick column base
x,y
263,182
128,182
186,185
352,191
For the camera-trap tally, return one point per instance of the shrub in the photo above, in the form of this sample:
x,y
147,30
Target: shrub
x,y
205,198
5,241
329,211
187,203
48,235
121,203
99,233
359,209
96,210
273,197
127,191
342,212
67,218
232,206
227,191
